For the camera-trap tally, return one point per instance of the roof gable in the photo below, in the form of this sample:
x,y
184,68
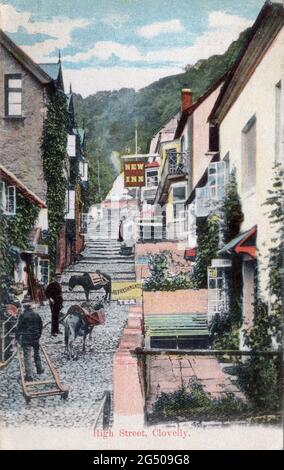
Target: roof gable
x,y
188,112
24,59
10,178
266,27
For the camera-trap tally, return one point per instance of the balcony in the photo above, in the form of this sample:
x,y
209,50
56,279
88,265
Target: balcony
x,y
173,170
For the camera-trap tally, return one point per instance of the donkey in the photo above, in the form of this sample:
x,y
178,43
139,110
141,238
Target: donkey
x,y
86,280
76,325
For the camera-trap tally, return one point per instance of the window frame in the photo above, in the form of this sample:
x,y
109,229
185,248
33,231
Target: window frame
x,y
5,198
11,76
155,177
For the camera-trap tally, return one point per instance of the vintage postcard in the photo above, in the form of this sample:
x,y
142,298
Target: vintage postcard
x,y
141,224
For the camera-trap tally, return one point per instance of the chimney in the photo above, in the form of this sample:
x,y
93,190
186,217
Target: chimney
x,y
186,98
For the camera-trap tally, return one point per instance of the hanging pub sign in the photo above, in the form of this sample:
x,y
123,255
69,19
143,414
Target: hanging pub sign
x,y
134,174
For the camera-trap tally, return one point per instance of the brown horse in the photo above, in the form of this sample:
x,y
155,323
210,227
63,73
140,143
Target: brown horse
x,y
90,282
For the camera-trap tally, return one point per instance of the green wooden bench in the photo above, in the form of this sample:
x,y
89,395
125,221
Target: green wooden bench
x,y
177,325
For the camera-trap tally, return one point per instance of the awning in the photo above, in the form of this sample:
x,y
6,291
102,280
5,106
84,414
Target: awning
x,y
244,243
185,325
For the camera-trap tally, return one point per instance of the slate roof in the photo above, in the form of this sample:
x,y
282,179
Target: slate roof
x,y
27,193
52,69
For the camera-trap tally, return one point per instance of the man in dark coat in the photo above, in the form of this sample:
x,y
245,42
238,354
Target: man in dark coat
x,y
54,294
28,333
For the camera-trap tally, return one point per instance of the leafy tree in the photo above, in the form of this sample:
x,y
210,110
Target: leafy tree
x,y
160,279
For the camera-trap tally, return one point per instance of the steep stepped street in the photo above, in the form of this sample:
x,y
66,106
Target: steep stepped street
x,y
91,374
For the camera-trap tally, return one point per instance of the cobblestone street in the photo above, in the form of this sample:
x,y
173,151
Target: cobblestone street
x,y
91,374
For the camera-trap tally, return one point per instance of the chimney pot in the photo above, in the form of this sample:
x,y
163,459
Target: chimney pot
x,y
186,98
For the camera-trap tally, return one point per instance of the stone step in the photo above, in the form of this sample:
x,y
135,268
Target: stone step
x,y
105,269
106,258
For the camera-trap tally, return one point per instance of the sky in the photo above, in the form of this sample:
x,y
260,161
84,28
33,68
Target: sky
x,y
111,44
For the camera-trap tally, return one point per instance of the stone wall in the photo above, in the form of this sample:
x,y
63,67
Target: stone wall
x,y
180,301
128,373
20,139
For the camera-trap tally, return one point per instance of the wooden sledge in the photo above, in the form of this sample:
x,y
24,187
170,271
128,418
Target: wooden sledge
x,y
41,391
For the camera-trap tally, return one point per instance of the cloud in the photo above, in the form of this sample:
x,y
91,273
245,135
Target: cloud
x,y
116,21
59,28
222,30
89,80
164,27
104,50
223,20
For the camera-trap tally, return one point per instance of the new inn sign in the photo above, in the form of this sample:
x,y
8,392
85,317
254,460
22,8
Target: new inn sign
x,y
134,174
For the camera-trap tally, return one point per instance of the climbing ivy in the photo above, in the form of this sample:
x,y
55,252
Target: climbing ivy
x,y
231,211
6,261
275,202
225,327
207,231
54,154
14,233
20,225
261,375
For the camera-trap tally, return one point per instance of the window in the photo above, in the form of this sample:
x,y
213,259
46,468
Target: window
x,y
8,198
218,175
179,193
279,132
249,155
179,211
13,95
44,271
182,144
70,205
179,197
213,138
151,178
71,145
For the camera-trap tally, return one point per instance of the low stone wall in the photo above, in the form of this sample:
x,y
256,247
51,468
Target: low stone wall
x,y
128,375
180,301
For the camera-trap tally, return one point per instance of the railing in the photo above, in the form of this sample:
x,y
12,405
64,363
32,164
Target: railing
x,y
176,163
155,229
7,338
105,410
151,228
177,229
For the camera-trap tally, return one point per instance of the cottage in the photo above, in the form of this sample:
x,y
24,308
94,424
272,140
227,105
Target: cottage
x,y
249,114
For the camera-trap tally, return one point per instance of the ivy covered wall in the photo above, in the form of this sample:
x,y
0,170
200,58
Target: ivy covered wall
x,y
207,231
54,157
